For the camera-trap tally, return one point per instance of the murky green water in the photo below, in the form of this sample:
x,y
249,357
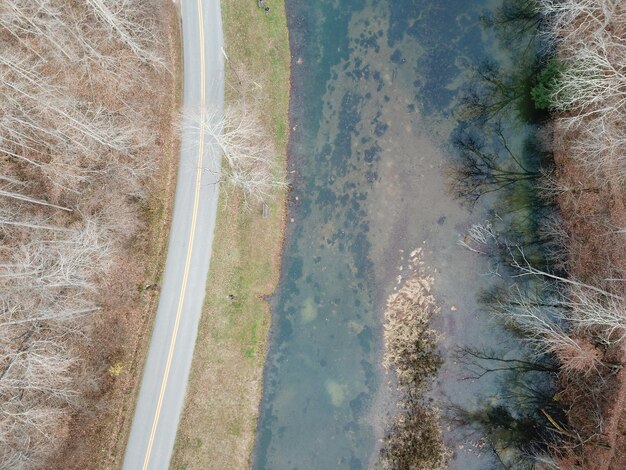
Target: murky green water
x,y
376,87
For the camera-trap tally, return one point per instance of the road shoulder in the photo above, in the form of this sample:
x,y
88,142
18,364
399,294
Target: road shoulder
x,y
218,423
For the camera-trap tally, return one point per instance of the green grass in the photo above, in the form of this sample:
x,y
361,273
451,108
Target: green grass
x,y
218,425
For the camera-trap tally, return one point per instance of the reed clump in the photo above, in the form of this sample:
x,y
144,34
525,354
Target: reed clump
x,y
414,440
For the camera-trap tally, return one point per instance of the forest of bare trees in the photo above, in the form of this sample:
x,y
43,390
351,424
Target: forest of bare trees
x,y
574,310
587,325
77,144
589,90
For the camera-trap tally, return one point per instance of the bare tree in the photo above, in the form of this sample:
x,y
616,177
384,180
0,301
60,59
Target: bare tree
x,y
594,77
49,27
248,151
549,336
44,306
597,315
569,321
599,143
591,83
556,241
123,19
571,19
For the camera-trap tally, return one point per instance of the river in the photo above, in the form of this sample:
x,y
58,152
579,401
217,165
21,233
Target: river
x,y
376,92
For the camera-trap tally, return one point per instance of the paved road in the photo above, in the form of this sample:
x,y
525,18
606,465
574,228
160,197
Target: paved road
x,y
166,371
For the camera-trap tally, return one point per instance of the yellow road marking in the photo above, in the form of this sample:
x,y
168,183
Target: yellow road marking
x,y
194,219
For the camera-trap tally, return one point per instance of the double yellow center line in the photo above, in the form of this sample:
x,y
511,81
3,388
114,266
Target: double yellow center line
x,y
194,218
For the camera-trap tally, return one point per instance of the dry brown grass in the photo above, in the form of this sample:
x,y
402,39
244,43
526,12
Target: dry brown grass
x,y
218,424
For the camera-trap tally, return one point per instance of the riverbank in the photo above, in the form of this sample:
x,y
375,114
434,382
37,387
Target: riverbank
x,y
595,254
589,187
218,424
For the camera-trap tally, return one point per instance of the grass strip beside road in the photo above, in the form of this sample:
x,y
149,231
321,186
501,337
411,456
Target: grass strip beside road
x,y
218,424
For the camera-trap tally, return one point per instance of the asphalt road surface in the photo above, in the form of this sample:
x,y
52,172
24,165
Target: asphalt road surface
x,y
166,371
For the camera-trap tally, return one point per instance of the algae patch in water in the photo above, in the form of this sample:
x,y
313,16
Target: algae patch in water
x,y
337,392
309,311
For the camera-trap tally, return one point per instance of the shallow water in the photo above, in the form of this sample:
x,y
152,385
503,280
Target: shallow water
x,y
375,88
